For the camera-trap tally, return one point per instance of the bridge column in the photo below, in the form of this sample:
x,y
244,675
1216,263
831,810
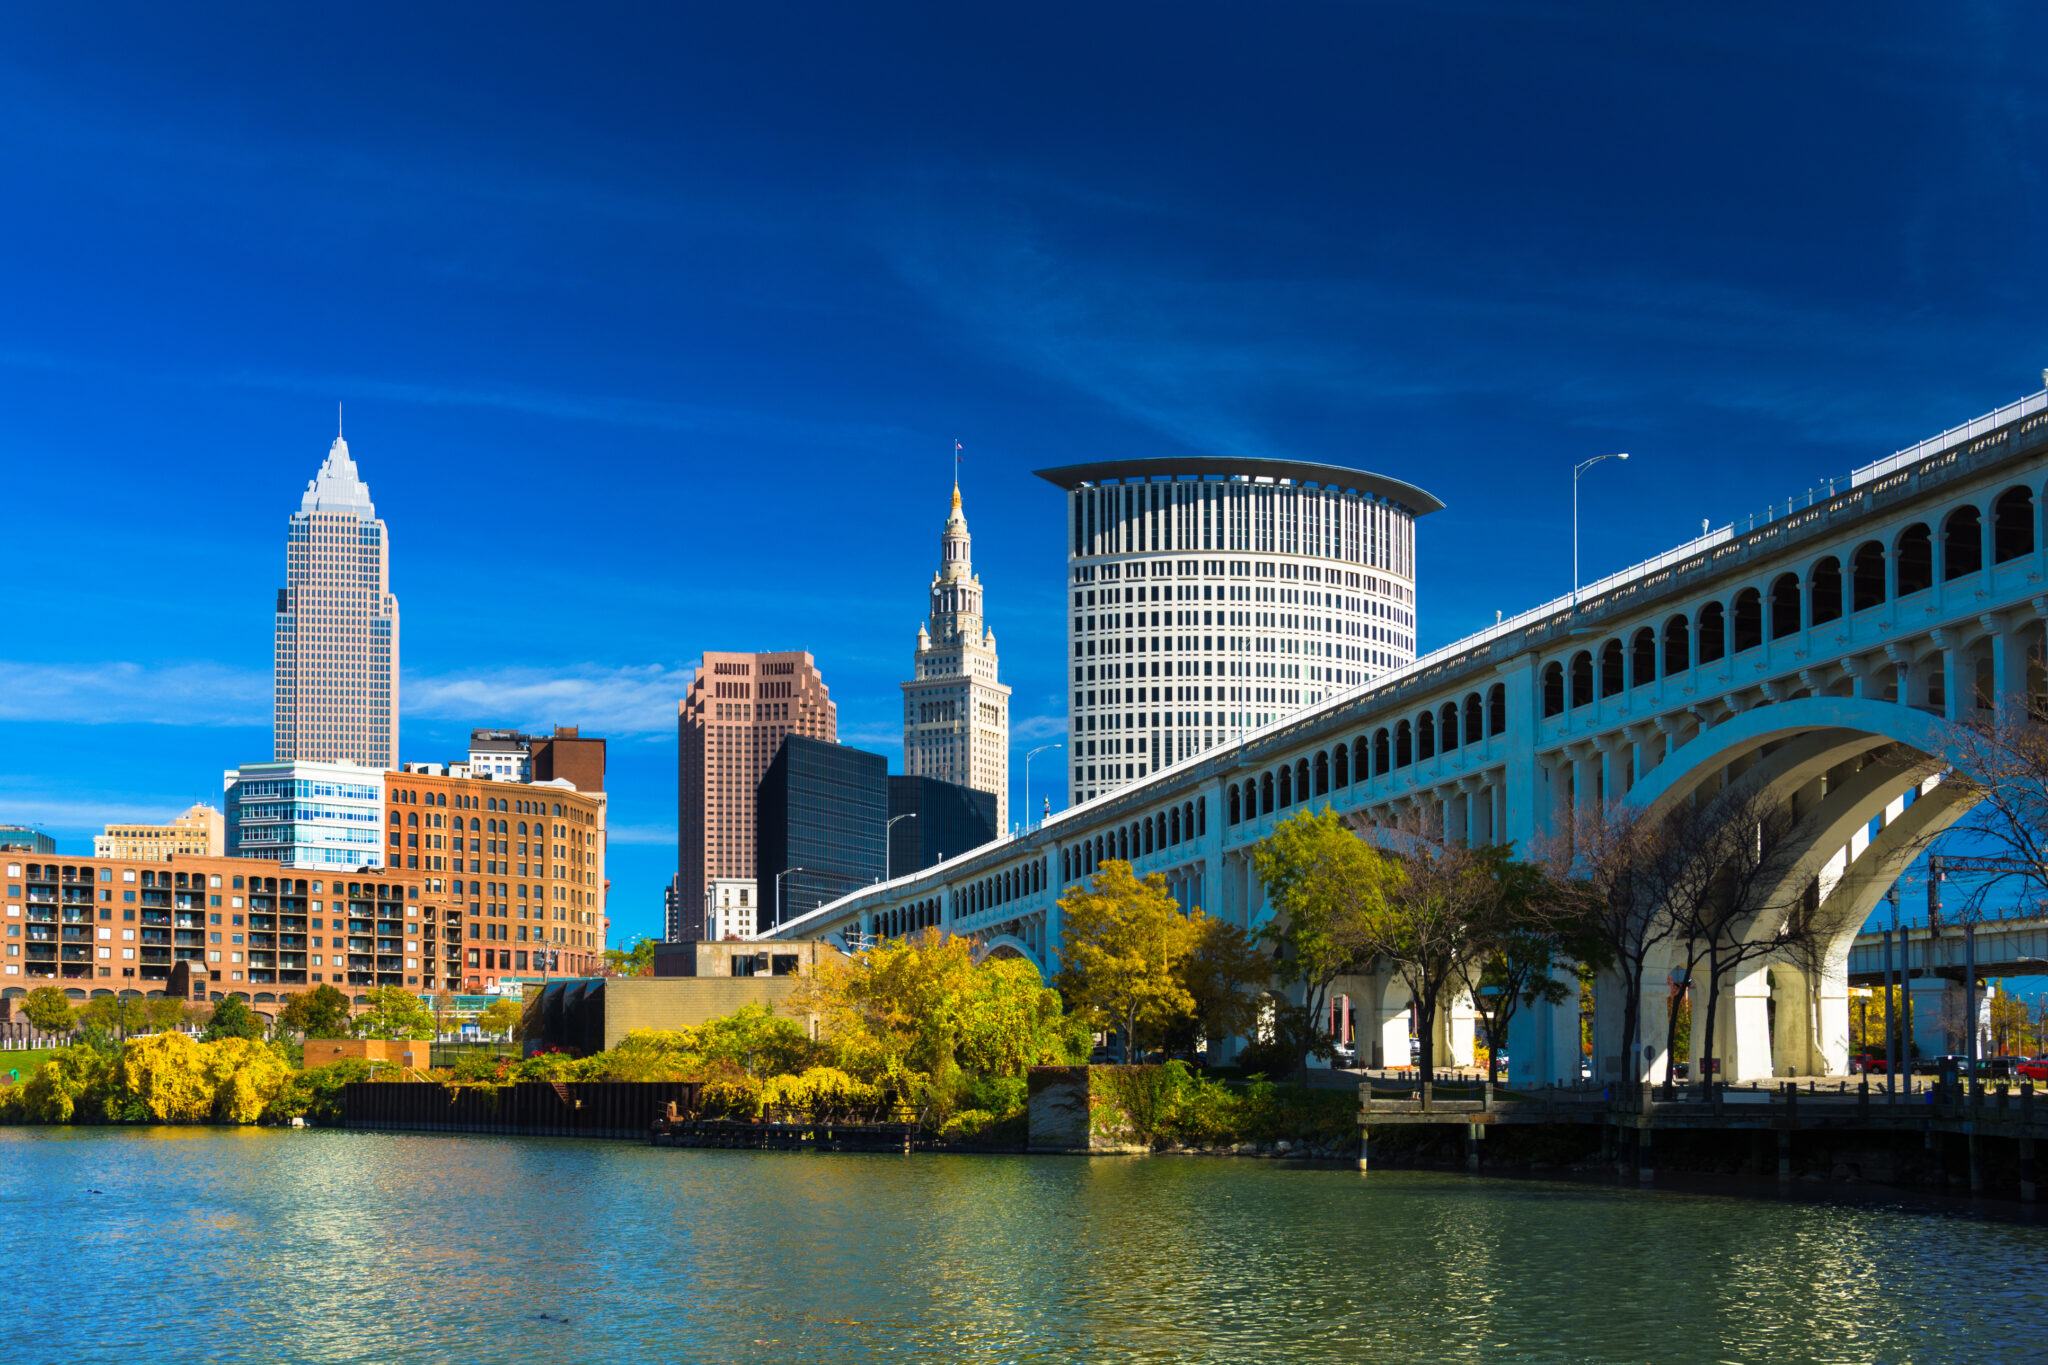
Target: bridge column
x,y
1456,1031
1744,1025
1390,1002
1937,1005
1831,1046
2008,657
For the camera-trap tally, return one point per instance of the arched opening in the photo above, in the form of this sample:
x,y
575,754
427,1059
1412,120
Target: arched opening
x,y
1286,786
1475,720
1642,657
1301,779
1340,765
1323,771
1404,749
1382,751
1749,619
1677,645
1425,736
2012,525
1713,633
1784,606
1496,709
1866,576
1266,794
1553,689
1824,591
1613,680
1447,726
1962,543
1915,559
1582,678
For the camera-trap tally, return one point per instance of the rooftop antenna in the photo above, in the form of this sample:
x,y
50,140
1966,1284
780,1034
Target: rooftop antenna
x,y
1705,523
337,420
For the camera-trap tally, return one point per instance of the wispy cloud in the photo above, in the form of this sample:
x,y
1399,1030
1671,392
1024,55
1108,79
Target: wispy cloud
x,y
641,834
1039,727
128,693
624,701
73,811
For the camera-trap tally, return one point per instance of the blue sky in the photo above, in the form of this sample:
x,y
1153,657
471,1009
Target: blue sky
x,y
656,325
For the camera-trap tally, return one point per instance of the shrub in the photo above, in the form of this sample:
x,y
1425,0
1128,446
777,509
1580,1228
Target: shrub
x,y
823,1092
732,1097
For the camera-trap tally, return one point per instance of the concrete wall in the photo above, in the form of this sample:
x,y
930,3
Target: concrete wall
x,y
676,1002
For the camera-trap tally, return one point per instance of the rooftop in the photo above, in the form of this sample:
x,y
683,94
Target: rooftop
x,y
1254,468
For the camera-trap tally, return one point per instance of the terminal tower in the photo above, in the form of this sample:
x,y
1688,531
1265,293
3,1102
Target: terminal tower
x,y
956,716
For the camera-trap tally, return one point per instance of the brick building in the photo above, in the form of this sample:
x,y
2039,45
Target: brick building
x,y
524,863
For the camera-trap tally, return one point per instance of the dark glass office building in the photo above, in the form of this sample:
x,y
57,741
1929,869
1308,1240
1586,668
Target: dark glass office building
x,y
951,819
821,810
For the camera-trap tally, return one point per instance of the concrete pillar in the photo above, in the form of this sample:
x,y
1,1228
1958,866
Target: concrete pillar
x,y
1745,1026
1831,1047
1392,1024
1937,1005
1456,1032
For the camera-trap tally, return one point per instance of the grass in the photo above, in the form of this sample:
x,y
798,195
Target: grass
x,y
25,1061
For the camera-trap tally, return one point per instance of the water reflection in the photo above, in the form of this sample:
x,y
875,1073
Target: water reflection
x,y
255,1245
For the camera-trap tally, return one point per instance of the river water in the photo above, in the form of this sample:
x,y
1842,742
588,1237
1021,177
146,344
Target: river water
x,y
175,1244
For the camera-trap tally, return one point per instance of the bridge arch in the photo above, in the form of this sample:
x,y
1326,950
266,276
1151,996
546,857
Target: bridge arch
x,y
1006,945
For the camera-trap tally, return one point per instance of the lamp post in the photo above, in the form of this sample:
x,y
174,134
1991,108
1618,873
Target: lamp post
x,y
1027,776
778,889
1578,469
887,846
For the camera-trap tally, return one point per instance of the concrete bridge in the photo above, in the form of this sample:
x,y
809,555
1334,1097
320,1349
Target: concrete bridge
x,y
1818,652
1935,961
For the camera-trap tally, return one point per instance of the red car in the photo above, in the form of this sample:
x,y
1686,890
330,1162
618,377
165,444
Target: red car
x,y
2034,1069
1870,1064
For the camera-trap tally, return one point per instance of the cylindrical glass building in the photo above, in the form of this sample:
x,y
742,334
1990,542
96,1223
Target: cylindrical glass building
x,y
1209,596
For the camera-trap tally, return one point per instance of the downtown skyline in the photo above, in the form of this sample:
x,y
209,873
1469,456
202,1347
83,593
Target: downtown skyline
x,y
561,411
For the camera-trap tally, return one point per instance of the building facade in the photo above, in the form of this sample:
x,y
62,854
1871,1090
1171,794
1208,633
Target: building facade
x,y
513,756
956,715
261,930
732,909
201,832
1209,597
335,661
524,863
306,814
26,839
823,811
739,710
930,821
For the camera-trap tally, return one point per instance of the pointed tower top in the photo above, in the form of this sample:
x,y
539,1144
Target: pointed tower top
x,y
338,487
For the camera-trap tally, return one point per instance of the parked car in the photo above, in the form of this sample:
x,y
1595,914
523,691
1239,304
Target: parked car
x,y
1345,1054
2033,1069
1869,1064
1999,1068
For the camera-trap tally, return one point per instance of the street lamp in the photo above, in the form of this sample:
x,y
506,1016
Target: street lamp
x,y
887,846
1580,468
1027,776
778,889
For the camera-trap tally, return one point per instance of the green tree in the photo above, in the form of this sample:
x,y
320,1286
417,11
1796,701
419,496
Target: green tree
x,y
116,1015
232,1018
319,1013
1519,947
1428,925
48,1010
1327,885
395,1012
634,960
1123,944
1226,975
500,1016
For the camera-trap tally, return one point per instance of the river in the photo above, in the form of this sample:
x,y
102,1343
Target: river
x,y
258,1244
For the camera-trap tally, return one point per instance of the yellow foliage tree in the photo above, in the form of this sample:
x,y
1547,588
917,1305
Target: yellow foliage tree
x,y
168,1073
822,1092
1123,942
246,1075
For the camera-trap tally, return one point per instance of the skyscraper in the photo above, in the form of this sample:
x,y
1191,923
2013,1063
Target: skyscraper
x,y
1212,596
956,716
336,659
739,710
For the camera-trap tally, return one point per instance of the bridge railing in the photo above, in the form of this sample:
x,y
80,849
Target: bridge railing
x,y
1934,445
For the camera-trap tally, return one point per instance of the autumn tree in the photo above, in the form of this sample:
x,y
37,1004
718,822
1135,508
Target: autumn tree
x,y
500,1016
395,1012
319,1013
1123,943
1326,885
48,1010
1227,974
635,960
